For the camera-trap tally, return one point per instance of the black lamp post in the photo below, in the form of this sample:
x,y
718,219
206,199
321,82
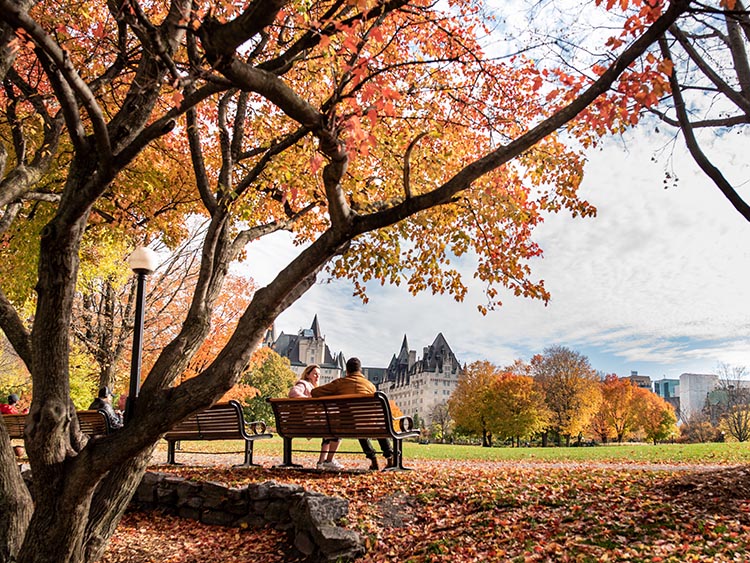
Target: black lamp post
x,y
143,261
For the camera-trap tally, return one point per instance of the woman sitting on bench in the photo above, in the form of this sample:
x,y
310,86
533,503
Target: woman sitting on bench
x,y
303,388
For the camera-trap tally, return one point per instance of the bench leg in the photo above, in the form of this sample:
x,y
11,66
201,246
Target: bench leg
x,y
170,454
288,455
398,464
248,456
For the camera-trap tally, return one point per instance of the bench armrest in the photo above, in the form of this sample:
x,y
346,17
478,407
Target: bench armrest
x,y
257,426
403,423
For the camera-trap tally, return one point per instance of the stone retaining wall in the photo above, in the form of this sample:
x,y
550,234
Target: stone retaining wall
x,y
310,518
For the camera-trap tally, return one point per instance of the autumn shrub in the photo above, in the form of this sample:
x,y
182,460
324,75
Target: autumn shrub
x,y
698,429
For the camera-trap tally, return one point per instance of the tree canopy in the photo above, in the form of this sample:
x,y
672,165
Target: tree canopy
x,y
380,132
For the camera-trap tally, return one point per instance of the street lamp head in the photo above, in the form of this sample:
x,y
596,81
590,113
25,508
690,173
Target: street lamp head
x,y
143,260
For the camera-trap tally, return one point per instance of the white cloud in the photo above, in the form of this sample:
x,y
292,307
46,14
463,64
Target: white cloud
x,y
658,282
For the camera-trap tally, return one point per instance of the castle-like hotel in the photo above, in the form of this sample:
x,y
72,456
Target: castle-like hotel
x,y
416,385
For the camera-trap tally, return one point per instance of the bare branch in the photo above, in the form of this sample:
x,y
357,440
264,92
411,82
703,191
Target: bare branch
x,y
14,329
692,143
407,164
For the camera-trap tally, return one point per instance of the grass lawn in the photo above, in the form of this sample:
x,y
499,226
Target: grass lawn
x,y
708,454
635,502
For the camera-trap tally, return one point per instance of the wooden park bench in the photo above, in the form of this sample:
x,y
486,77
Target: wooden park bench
x,y
341,416
93,423
222,421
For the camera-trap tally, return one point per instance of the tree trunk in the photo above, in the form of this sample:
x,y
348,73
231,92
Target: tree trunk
x,y
77,513
109,503
15,500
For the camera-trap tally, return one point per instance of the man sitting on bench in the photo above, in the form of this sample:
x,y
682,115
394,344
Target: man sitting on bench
x,y
354,383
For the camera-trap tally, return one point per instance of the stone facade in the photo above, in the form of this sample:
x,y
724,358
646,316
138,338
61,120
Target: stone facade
x,y
641,381
417,385
307,347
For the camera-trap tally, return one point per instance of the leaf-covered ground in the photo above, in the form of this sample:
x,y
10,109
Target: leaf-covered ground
x,y
482,511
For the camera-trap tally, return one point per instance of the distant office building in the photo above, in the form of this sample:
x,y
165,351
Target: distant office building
x,y
306,347
642,381
417,385
669,390
694,390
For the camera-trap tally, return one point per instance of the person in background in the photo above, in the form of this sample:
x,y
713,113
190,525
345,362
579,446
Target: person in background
x,y
12,406
354,383
303,388
104,403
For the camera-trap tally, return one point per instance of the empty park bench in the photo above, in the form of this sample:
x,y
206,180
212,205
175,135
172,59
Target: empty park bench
x,y
222,421
92,423
341,416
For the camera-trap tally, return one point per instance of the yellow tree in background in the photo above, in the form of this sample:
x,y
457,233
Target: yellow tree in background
x,y
618,410
517,410
571,390
470,405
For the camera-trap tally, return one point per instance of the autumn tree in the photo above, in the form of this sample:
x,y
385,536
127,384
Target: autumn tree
x,y
470,404
441,423
272,376
698,429
13,375
617,408
357,126
517,408
732,402
655,416
571,389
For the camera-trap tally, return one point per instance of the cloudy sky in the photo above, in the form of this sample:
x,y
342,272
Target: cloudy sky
x,y
658,282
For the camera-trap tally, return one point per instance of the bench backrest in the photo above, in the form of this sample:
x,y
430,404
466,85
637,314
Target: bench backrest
x,y
218,422
15,424
342,416
93,423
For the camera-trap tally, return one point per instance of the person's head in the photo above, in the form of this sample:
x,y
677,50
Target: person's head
x,y
105,393
12,399
353,365
311,373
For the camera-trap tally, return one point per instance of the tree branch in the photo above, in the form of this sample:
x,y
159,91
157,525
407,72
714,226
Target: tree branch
x,y
463,179
723,87
692,143
15,330
17,18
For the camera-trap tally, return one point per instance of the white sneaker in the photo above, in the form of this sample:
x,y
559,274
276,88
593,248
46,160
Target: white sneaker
x,y
334,465
329,466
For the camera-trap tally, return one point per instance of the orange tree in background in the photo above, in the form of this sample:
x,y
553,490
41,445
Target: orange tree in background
x,y
656,417
378,131
617,407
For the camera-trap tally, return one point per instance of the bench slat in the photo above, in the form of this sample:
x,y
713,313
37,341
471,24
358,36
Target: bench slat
x,y
222,421
91,422
341,416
